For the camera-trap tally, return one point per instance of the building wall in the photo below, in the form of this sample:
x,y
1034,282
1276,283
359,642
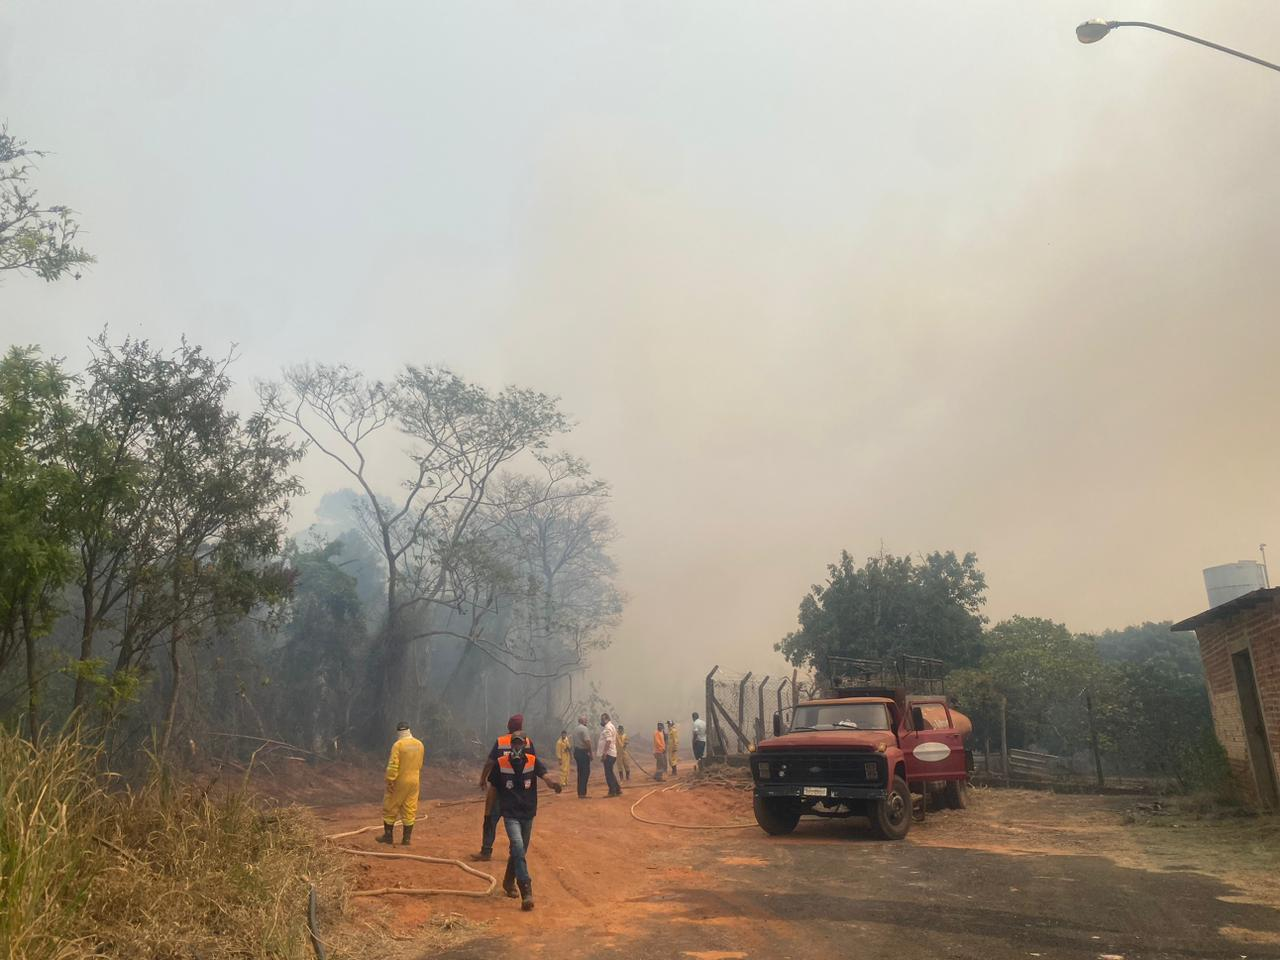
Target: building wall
x,y
1258,630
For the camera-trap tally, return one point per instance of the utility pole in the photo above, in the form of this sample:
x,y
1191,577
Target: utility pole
x,y
1004,739
1093,739
1266,575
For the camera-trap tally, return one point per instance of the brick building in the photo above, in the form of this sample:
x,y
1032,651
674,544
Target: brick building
x,y
1240,646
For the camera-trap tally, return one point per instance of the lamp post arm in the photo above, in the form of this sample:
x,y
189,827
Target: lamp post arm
x,y
1187,36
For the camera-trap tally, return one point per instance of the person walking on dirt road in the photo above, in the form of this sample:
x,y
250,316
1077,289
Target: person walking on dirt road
x,y
515,777
659,752
582,754
404,768
699,740
624,758
564,757
492,814
608,751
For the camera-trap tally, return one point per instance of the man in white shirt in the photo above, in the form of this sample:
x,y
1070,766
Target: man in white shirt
x,y
699,739
607,748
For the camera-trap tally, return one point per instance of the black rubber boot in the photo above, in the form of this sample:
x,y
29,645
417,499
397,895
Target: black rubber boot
x,y
483,856
509,881
526,894
408,832
387,833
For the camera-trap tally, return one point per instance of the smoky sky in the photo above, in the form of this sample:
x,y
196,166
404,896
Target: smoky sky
x,y
808,277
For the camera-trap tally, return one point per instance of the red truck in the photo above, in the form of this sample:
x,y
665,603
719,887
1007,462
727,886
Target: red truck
x,y
864,750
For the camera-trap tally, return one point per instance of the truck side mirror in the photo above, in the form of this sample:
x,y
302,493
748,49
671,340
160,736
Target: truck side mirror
x,y
777,724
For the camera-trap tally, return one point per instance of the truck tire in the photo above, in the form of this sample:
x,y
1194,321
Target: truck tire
x,y
891,817
776,815
957,794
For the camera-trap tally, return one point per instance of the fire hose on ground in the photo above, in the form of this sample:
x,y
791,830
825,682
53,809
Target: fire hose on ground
x,y
681,826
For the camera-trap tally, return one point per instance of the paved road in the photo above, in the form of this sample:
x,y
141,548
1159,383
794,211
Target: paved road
x,y
829,892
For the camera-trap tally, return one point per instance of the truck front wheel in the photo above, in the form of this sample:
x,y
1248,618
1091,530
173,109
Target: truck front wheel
x,y
891,818
777,815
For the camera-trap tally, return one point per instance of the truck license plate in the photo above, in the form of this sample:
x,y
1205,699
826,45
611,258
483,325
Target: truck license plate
x,y
815,791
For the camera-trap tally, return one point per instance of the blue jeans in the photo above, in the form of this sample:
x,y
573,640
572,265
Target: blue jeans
x,y
519,834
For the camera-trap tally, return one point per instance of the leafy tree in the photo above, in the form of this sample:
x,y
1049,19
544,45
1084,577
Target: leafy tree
x,y
315,673
430,534
35,542
892,605
1155,713
1149,641
33,238
1045,671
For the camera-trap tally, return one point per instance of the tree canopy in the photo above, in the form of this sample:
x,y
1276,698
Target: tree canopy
x,y
34,238
929,607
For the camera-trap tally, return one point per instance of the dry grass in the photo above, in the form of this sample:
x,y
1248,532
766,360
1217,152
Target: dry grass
x,y
157,873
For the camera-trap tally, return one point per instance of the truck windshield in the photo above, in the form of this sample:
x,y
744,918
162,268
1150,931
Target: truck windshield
x,y
842,716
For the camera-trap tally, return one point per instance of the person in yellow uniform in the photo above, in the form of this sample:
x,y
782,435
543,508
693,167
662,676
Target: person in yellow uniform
x,y
624,761
404,767
659,752
673,746
563,754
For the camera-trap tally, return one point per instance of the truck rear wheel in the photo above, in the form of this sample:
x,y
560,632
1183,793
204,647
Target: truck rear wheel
x,y
891,818
957,795
777,815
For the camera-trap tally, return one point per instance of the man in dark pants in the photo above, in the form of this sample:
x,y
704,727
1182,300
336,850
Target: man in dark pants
x,y
515,776
492,813
582,754
609,753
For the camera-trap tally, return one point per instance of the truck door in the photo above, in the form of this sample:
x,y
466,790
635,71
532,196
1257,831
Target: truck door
x,y
931,744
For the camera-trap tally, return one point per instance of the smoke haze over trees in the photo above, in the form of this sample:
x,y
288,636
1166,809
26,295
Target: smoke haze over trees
x,y
148,582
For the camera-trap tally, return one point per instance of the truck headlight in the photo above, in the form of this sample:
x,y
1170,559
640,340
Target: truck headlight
x,y
763,770
871,771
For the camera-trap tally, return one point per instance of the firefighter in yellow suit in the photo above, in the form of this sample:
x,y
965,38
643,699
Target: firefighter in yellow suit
x,y
563,754
404,768
624,758
673,746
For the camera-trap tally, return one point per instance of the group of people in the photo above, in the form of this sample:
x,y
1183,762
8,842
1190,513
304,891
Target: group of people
x,y
510,778
580,751
612,747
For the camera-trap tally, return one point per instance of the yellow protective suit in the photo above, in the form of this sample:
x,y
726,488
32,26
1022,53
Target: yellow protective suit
x,y
624,761
562,757
404,768
673,746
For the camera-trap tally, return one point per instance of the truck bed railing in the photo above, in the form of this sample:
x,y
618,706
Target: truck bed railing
x,y
918,675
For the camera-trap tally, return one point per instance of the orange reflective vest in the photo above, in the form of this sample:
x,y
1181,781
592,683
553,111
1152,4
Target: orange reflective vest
x,y
510,780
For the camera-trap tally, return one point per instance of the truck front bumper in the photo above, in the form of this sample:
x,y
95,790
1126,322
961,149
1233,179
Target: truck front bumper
x,y
830,793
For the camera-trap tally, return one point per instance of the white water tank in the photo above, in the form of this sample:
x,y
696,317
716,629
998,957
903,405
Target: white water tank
x,y
1231,580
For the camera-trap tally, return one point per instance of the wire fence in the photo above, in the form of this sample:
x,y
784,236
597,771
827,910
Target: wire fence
x,y
740,708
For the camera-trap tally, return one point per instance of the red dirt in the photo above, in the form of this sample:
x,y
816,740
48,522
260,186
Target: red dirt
x,y
576,886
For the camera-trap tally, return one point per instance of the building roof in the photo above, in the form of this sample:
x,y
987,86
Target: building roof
x,y
1232,608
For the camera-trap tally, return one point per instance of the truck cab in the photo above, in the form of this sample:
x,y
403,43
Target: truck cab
x,y
861,753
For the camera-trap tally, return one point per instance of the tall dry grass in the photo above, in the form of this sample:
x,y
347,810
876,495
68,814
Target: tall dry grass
x,y
89,868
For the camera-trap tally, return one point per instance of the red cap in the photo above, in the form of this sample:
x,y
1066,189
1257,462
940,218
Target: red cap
x,y
515,723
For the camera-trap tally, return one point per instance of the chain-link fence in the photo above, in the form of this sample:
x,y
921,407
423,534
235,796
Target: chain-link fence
x,y
740,708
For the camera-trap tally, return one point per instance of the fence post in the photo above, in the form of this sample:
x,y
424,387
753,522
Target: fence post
x,y
742,703
713,726
1004,740
1093,739
760,720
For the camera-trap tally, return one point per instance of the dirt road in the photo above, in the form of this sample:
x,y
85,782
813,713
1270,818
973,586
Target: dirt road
x,y
1019,874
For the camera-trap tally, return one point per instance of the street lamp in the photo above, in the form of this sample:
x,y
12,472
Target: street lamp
x,y
1091,31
